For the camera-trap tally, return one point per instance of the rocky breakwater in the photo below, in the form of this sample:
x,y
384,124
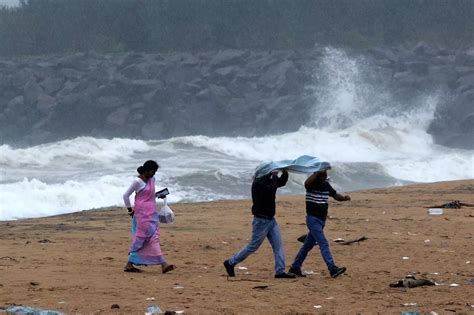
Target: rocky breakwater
x,y
152,96
447,73
230,92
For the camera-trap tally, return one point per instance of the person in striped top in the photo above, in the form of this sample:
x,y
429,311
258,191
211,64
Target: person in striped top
x,y
318,191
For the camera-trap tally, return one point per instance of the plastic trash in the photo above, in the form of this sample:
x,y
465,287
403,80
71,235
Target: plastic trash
x,y
310,272
153,309
166,215
411,313
435,211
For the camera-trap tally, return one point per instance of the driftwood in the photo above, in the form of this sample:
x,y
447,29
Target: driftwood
x,y
357,240
302,238
456,204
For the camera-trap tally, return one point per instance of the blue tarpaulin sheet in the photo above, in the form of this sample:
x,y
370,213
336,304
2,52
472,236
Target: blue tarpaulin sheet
x,y
303,164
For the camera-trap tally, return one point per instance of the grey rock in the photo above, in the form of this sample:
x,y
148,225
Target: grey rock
x,y
225,71
15,103
31,92
466,82
153,130
51,85
45,102
227,57
418,67
118,117
70,74
20,78
108,102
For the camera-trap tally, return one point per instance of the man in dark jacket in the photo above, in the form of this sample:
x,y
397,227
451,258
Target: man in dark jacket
x,y
264,224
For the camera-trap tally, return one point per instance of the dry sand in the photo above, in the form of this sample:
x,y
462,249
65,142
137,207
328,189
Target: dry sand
x,y
73,263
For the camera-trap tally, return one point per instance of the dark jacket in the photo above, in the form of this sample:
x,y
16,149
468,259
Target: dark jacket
x,y
263,194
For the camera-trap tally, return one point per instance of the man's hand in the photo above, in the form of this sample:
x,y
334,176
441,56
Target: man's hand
x,y
340,197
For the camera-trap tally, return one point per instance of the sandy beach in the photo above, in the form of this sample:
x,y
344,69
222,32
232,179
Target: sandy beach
x,y
74,263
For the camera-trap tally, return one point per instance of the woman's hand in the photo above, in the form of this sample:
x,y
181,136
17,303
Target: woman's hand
x,y
130,212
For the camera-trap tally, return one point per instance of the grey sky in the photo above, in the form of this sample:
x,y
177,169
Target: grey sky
x,y
9,2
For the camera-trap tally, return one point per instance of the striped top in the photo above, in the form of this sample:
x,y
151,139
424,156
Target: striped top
x,y
317,199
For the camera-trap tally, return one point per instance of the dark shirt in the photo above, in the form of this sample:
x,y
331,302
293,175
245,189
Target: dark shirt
x,y
317,196
263,194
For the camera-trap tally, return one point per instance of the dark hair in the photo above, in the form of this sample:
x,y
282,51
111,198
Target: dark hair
x,y
149,165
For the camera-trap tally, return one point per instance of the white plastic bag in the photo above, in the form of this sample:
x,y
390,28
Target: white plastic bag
x,y
165,215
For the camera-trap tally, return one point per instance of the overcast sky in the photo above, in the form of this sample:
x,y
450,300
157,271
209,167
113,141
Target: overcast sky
x,y
9,2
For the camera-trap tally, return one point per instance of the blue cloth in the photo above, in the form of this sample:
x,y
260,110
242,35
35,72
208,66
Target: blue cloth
x,y
261,229
315,235
303,164
27,310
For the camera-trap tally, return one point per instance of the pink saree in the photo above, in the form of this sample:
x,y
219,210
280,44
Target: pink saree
x,y
145,248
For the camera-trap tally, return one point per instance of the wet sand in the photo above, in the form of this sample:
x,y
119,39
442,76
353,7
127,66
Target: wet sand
x,y
73,263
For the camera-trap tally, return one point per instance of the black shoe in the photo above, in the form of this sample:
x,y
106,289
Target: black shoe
x,y
285,275
296,271
337,271
302,238
229,268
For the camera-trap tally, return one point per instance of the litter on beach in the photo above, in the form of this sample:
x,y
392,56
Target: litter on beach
x,y
435,211
408,304
310,272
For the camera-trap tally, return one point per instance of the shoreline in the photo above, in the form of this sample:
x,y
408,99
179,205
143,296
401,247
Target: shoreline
x,y
72,262
234,200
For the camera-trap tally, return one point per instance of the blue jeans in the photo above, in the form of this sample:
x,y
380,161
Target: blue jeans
x,y
315,235
261,229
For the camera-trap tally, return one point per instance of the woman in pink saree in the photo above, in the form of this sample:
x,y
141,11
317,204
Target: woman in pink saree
x,y
145,248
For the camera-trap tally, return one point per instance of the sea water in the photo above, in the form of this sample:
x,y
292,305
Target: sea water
x,y
370,139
